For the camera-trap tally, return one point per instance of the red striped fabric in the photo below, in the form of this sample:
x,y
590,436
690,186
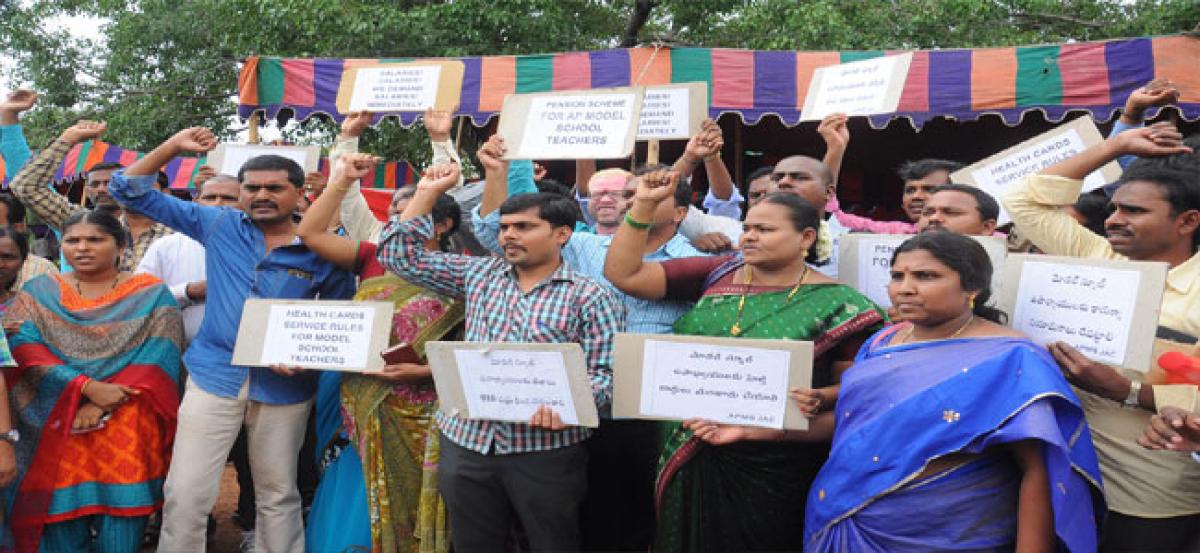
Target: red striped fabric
x,y
916,88
733,78
1084,74
298,82
572,71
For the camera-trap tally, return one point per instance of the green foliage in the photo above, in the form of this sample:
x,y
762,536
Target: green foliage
x,y
164,65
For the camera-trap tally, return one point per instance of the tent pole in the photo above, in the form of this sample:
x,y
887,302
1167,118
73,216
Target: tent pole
x,y
252,127
458,136
737,153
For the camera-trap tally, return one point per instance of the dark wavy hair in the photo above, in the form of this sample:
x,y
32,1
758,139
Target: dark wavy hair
x,y
447,208
964,256
802,215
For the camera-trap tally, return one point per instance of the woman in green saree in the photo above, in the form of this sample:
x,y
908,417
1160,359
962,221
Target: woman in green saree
x,y
732,488
386,419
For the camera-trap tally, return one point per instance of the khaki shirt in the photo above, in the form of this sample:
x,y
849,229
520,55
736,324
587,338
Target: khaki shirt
x,y
1137,482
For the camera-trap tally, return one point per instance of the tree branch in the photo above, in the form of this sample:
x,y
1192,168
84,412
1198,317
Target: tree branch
x,y
641,13
1059,18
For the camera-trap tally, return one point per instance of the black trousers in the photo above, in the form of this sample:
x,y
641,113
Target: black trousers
x,y
1127,534
618,512
483,494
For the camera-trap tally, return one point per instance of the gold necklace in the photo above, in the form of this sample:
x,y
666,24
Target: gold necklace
x,y
110,288
960,330
736,329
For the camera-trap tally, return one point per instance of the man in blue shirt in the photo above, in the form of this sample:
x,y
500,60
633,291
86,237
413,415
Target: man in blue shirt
x,y
254,254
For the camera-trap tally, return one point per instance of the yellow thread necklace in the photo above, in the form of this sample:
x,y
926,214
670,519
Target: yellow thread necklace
x,y
736,329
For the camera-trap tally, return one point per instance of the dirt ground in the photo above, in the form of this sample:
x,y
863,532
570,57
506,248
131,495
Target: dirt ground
x,y
229,535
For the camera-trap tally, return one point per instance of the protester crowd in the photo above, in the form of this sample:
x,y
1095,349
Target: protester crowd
x,y
932,425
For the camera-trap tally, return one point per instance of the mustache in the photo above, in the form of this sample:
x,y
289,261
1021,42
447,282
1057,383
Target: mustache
x,y
263,203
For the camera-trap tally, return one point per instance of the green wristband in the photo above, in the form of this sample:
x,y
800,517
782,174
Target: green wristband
x,y
634,223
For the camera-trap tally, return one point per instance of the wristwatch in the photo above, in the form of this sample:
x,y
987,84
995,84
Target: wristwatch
x,y
12,436
1135,388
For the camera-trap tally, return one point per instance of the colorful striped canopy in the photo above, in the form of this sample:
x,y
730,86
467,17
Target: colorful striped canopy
x,y
181,170
1095,77
84,156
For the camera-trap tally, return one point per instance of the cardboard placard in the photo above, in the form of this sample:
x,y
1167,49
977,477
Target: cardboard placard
x,y
314,334
1106,309
729,380
401,87
998,172
673,112
587,124
508,381
865,263
229,158
864,87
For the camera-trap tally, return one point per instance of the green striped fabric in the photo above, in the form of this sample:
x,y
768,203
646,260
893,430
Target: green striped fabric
x,y
689,65
848,57
270,81
1039,80
84,150
535,74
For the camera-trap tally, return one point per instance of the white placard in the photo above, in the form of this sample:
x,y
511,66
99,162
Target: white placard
x,y
229,158
592,124
509,385
396,88
871,258
666,113
1000,171
864,87
724,384
1090,308
328,337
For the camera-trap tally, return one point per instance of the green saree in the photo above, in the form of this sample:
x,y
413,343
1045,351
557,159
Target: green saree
x,y
393,429
750,495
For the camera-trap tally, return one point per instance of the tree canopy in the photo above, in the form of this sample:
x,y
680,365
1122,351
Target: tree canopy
x,y
164,65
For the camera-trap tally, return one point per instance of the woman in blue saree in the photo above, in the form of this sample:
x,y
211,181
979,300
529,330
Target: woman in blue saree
x,y
954,433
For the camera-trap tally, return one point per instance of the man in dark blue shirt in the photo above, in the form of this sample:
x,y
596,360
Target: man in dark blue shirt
x,y
252,253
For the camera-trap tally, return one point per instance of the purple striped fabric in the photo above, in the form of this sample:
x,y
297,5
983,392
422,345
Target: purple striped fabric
x,y
610,68
472,77
1130,65
774,78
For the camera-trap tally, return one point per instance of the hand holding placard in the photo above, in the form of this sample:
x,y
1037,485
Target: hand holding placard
x,y
1107,310
511,381
313,334
722,380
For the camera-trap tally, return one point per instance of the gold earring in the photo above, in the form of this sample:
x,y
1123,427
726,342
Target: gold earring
x,y
971,302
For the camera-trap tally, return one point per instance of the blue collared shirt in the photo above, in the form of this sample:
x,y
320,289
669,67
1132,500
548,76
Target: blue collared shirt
x,y
236,270
585,254
13,149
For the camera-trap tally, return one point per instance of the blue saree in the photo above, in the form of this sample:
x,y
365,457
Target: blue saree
x,y
901,407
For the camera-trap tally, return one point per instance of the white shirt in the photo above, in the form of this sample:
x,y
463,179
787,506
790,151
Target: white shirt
x,y
177,260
